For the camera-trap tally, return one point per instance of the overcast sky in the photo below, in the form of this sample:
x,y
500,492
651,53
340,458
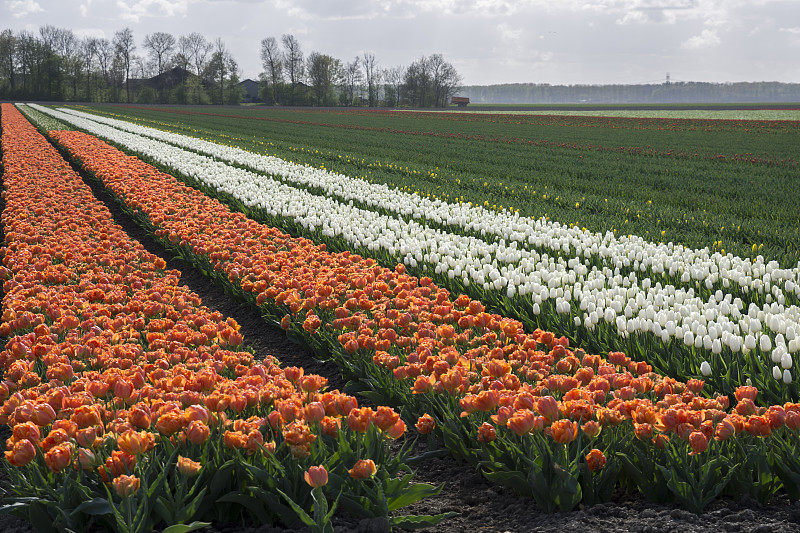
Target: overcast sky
x,y
488,41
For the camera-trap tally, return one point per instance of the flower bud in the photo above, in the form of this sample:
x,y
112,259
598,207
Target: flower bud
x,y
705,368
316,476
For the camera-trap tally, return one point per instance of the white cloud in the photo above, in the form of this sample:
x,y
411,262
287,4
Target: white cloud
x,y
134,11
706,39
90,32
21,8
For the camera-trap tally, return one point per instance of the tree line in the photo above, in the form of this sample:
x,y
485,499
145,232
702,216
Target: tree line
x,y
56,65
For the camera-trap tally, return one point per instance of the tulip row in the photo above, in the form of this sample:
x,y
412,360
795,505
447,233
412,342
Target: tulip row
x,y
682,265
131,404
520,406
681,333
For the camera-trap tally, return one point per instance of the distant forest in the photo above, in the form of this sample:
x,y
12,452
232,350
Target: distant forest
x,y
672,93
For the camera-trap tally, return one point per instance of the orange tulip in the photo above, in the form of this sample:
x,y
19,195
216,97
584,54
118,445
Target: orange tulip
x,y
359,419
87,437
758,426
564,431
59,457
187,467
86,459
123,389
595,460
698,441
136,442
316,476
397,430
363,469
385,417
170,423
591,428
525,421
197,432
125,485
745,391
26,430
548,406
21,453
43,414
425,424
724,430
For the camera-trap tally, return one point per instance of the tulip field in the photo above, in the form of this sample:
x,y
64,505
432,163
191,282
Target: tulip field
x,y
567,359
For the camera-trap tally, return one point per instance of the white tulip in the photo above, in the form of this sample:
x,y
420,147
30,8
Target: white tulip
x,y
705,368
764,343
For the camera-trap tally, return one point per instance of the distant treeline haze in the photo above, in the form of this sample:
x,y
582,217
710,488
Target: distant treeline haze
x,y
680,92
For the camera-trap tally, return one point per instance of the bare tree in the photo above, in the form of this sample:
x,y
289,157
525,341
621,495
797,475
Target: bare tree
x,y
160,46
352,77
223,70
124,47
393,78
430,81
196,48
8,58
89,52
105,55
293,61
370,65
272,64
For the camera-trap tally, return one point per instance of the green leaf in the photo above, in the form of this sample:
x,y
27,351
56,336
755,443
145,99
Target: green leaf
x,y
301,513
419,521
39,518
433,454
250,503
413,494
185,528
97,506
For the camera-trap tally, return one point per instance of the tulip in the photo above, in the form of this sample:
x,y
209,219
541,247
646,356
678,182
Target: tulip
x,y
397,430
26,430
316,476
591,428
21,453
425,424
187,467
363,469
126,485
524,421
564,431
87,437
86,459
197,432
59,457
486,433
698,441
595,460
359,419
548,406
136,443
